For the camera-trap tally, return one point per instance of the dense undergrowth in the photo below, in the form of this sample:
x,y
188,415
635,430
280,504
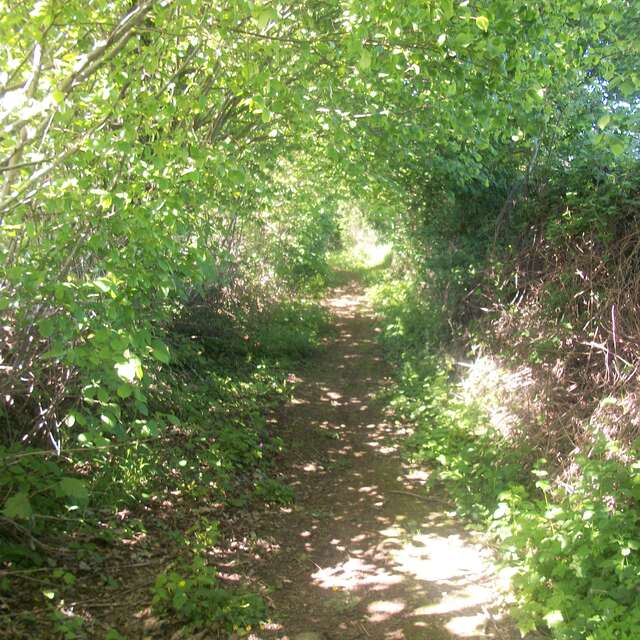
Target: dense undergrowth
x,y
515,331
159,486
173,176
512,312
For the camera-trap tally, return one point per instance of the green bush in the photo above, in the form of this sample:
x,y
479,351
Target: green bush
x,y
193,595
290,330
573,546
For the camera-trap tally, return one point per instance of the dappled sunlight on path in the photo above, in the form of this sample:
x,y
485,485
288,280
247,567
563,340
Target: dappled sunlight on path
x,y
363,553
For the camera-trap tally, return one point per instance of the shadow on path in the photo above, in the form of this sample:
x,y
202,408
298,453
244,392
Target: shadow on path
x,y
355,557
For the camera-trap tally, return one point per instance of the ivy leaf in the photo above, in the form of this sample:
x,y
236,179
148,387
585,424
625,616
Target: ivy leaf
x,y
18,507
482,22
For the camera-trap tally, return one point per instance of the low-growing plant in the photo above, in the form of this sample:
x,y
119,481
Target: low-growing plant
x,y
272,490
290,330
570,543
202,536
576,549
194,595
67,625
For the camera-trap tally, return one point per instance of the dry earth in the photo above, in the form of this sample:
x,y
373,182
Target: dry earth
x,y
361,553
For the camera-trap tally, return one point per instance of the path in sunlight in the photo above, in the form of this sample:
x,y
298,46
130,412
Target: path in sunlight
x,y
355,557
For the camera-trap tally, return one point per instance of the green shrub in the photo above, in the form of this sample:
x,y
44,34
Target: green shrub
x,y
271,490
572,547
193,594
290,330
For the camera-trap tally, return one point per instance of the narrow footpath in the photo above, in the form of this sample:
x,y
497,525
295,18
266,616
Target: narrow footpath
x,y
362,553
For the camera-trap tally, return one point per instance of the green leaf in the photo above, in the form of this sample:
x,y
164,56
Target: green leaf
x,y
103,284
446,8
18,507
617,147
604,121
628,88
46,327
129,369
179,600
124,391
554,618
365,60
68,578
482,22
265,15
160,352
142,408
74,488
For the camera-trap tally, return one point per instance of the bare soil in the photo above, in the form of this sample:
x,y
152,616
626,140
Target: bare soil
x,y
364,552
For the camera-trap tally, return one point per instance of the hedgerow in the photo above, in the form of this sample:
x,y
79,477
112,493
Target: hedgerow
x,y
173,174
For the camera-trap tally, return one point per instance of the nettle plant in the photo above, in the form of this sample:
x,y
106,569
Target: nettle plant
x,y
571,546
576,551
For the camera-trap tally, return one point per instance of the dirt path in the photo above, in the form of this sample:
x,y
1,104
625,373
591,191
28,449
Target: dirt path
x,y
355,557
